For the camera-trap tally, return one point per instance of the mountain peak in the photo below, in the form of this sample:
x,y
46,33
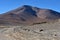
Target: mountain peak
x,y
26,6
29,15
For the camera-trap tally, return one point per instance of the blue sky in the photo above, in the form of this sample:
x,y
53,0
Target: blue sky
x,y
7,5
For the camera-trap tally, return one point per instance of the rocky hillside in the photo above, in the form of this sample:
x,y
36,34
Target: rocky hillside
x,y
30,23
28,15
45,31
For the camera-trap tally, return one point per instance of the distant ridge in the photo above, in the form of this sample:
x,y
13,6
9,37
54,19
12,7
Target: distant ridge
x,y
28,15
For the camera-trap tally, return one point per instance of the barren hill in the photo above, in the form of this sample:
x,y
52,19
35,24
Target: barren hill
x,y
29,15
37,24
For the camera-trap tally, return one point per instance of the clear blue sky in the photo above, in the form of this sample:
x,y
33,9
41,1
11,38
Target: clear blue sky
x,y
6,5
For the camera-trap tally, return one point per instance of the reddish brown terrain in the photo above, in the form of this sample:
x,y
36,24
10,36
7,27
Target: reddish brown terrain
x,y
39,24
28,15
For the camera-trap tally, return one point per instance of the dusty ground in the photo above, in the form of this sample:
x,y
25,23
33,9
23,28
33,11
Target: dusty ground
x,y
48,31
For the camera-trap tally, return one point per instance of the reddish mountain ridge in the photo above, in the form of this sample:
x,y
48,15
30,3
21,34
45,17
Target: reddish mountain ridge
x,y
28,15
